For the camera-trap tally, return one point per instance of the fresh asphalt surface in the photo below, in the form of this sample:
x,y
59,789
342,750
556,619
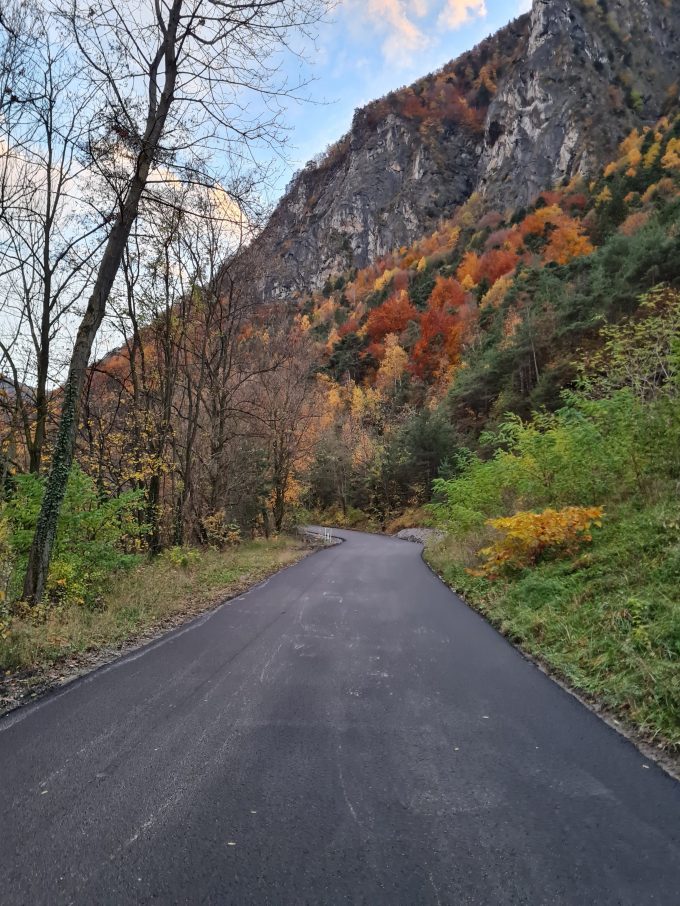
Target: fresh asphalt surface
x,y
347,732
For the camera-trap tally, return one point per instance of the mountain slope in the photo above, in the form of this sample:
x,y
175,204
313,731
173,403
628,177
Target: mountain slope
x,y
590,72
549,96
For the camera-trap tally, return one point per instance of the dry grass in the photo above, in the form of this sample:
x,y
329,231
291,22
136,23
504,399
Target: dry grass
x,y
152,596
412,517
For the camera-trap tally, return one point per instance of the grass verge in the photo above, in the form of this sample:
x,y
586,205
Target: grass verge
x,y
139,604
607,621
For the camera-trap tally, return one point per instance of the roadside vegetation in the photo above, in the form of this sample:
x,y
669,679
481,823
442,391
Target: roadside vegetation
x,y
566,534
607,620
137,596
138,485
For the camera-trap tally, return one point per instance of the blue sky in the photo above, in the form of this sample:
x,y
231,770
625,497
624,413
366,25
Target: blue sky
x,y
369,47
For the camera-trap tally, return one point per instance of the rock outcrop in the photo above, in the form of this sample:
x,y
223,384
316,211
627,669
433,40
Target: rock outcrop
x,y
568,82
590,73
383,190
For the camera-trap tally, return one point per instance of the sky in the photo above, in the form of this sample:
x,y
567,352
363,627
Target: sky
x,y
370,47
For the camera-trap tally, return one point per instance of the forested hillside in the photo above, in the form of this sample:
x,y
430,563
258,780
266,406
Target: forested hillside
x,y
428,349
507,375
518,373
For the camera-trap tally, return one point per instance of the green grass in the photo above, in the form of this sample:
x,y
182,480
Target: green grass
x,y
607,621
152,595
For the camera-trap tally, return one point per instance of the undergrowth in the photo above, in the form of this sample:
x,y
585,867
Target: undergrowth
x,y
607,620
149,595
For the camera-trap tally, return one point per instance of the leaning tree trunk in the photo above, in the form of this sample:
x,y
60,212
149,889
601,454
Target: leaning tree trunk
x,y
62,459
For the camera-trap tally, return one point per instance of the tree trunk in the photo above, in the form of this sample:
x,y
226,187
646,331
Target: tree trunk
x,y
35,451
153,513
62,458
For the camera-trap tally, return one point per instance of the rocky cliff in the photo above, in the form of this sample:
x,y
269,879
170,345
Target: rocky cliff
x,y
590,71
547,97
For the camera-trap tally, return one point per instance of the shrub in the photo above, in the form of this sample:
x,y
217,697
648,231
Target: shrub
x,y
95,537
218,532
529,536
612,450
181,557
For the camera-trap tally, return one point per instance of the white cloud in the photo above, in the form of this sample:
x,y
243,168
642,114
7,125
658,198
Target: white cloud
x,y
460,12
403,36
402,24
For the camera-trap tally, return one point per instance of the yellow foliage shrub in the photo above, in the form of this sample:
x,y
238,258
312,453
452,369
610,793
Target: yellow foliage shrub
x,y
218,532
382,281
527,536
495,296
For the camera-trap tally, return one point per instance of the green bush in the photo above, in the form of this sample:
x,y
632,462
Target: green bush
x,y
95,537
591,452
181,557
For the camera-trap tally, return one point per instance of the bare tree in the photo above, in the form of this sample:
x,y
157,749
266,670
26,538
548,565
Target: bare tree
x,y
172,81
284,414
49,234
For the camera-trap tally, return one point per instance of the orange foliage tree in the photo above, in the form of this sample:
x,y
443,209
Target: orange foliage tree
x,y
391,317
566,236
447,292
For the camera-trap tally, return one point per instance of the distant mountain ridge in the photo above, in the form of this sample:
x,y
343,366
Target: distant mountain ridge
x,y
549,96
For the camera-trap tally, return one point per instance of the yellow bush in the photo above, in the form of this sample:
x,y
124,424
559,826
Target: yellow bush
x,y
181,557
527,536
218,532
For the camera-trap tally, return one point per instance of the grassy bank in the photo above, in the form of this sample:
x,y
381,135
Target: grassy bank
x,y
606,620
148,597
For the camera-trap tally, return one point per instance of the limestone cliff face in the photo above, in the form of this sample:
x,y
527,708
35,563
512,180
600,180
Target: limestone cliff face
x,y
571,79
378,193
590,72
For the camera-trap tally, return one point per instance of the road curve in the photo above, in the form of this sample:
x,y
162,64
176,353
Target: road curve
x,y
347,732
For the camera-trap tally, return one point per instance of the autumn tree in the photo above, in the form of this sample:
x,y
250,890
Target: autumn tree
x,y
393,366
563,237
50,233
283,413
447,293
391,317
168,85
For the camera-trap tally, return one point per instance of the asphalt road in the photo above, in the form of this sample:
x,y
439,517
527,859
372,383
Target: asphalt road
x,y
347,732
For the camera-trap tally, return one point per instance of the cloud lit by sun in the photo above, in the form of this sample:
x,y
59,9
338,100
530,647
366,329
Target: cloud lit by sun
x,y
400,23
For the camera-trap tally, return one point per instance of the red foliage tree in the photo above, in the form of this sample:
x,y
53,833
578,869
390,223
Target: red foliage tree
x,y
391,317
447,294
439,343
495,263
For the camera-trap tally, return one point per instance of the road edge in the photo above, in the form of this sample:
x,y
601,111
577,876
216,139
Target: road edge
x,y
92,662
669,764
